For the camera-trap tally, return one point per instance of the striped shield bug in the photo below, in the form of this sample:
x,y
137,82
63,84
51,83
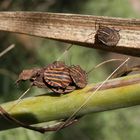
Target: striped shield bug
x,y
78,76
63,79
108,36
57,75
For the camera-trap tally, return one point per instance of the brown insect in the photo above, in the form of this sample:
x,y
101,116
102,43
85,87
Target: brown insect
x,y
108,36
34,75
79,76
63,79
57,76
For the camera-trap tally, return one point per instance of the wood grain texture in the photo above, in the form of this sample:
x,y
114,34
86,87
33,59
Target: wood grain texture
x,y
74,28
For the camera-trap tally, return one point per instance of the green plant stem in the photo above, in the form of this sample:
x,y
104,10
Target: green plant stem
x,y
118,93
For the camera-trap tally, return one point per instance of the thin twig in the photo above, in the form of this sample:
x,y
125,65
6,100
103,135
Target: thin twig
x,y
19,99
104,62
15,121
67,49
7,50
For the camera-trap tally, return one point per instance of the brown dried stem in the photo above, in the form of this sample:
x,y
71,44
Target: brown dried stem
x,y
74,29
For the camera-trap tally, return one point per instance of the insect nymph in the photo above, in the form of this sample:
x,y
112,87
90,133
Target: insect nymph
x,y
108,36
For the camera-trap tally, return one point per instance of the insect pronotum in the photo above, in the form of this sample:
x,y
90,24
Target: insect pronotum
x,y
57,77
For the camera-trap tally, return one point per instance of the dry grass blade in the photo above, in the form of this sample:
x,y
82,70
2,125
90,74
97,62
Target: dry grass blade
x,y
98,88
104,62
7,50
19,99
65,52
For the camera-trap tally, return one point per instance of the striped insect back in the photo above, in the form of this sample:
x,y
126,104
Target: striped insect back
x,y
108,36
57,75
63,79
79,76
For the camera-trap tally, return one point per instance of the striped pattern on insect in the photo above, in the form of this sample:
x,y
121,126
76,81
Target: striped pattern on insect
x,y
79,76
57,76
108,36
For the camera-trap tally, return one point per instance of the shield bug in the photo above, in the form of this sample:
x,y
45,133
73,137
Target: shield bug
x,y
57,78
57,75
108,36
78,76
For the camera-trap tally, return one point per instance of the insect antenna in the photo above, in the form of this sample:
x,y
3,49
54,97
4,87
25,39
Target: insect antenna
x,y
93,93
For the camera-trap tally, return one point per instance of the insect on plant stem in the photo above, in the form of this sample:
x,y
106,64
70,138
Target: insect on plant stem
x,y
71,117
93,93
19,99
12,46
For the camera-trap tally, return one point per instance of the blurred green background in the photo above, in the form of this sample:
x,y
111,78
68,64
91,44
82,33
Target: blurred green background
x,y
36,52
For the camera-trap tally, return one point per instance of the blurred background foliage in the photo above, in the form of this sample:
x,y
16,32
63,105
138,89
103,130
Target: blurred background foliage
x,y
37,52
